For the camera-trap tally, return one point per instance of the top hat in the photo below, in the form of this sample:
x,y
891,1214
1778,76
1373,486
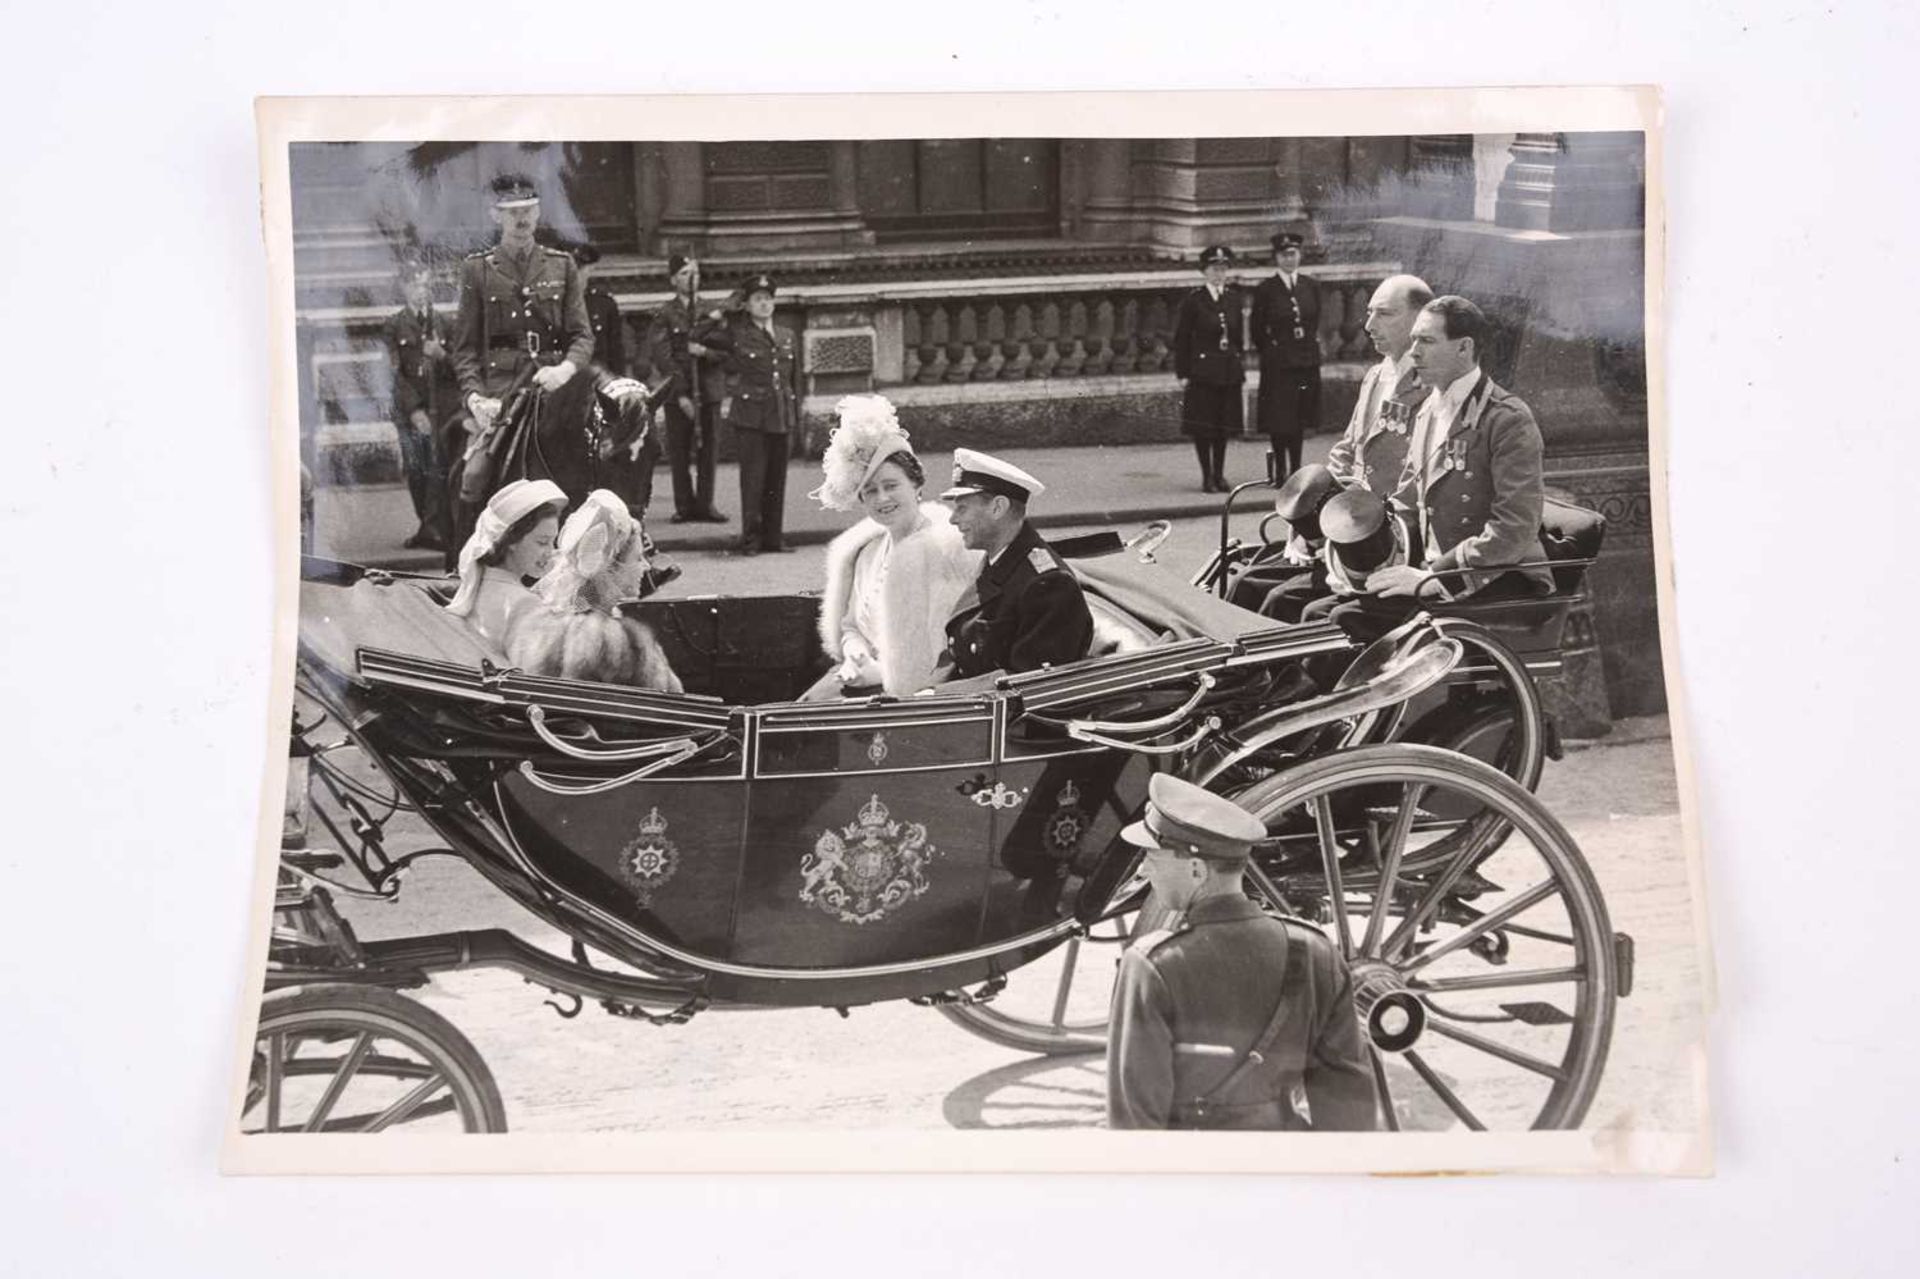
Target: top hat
x,y
1357,529
1301,498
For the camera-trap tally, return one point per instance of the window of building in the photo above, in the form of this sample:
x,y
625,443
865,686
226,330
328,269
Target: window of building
x,y
921,188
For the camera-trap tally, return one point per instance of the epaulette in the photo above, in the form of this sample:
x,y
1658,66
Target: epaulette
x,y
1145,942
1043,560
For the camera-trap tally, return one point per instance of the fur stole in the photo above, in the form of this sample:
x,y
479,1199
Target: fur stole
x,y
931,574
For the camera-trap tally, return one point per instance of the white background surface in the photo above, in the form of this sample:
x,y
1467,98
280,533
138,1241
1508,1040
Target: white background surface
x,y
134,565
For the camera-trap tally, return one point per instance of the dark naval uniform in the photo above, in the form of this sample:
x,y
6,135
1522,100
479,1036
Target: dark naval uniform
x,y
517,309
1285,330
1195,1001
1031,613
763,389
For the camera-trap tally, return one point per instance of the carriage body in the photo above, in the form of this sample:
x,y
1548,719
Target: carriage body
x,y
730,846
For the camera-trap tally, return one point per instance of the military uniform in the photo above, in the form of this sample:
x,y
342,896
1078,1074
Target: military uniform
x,y
1031,613
517,309
1477,505
1193,999
1285,330
763,394
703,379
1373,450
1224,1016
424,383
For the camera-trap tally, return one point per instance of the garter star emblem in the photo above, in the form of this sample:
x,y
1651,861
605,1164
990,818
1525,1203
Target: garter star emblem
x,y
870,868
650,860
1068,822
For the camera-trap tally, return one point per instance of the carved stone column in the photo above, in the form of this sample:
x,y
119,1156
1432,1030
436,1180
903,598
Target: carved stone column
x,y
1192,192
683,210
1573,182
1106,205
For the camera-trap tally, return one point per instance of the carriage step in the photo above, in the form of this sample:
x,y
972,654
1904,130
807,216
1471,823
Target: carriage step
x,y
1623,963
1537,1014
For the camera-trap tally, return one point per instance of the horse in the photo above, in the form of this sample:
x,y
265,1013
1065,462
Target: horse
x,y
584,436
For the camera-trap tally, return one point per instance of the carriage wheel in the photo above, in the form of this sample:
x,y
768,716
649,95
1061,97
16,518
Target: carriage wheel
x,y
1482,956
1501,721
1486,986
1057,1005
349,1058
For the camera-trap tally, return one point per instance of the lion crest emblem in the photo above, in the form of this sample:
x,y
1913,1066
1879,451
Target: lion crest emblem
x,y
650,859
867,869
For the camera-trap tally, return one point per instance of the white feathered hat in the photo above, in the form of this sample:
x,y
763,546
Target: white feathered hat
x,y
869,433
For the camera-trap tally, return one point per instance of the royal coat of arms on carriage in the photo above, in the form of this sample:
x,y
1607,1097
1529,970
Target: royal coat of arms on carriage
x,y
867,869
650,858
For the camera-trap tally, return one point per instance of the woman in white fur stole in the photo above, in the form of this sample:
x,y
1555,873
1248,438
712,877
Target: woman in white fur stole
x,y
894,578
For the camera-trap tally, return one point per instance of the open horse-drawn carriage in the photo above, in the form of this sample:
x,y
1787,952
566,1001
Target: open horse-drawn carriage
x,y
731,847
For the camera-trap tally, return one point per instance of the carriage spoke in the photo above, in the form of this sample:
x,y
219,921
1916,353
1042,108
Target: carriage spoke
x,y
338,1084
1410,795
1499,981
1512,1056
1485,924
276,1049
1444,1093
1386,1093
1429,900
404,1107
1330,858
1066,982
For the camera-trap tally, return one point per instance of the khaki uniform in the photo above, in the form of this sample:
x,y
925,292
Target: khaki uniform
x,y
1193,999
517,308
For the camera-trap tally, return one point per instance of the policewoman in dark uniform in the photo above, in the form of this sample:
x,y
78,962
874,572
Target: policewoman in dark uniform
x,y
1286,333
762,406
521,304
1225,1016
1209,347
1031,611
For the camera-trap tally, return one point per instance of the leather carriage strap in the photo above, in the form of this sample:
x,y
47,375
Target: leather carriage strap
x,y
1293,983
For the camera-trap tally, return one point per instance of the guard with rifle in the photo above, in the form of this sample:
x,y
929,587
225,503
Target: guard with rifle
x,y
686,349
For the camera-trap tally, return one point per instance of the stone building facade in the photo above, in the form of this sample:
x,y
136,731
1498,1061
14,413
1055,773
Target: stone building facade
x,y
1020,291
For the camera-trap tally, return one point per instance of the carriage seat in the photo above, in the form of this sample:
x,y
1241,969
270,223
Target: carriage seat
x,y
1117,631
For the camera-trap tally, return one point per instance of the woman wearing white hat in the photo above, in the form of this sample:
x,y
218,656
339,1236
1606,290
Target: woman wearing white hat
x,y
894,578
512,541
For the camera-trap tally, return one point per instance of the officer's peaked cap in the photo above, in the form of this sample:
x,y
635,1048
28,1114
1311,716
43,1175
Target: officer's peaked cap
x,y
1194,822
514,191
979,473
1287,240
1215,253
758,284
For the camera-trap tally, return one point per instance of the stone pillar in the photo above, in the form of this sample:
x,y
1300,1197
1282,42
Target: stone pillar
x,y
1106,196
649,192
683,210
1573,182
1192,192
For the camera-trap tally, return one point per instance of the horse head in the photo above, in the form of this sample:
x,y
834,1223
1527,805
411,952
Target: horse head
x,y
626,406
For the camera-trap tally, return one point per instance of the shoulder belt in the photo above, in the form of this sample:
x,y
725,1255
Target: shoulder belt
x,y
1293,981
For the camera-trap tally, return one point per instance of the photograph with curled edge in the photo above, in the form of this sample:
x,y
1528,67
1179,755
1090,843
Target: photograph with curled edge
x,y
1083,632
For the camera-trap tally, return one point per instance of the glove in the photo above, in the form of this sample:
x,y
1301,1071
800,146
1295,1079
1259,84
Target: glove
x,y
555,376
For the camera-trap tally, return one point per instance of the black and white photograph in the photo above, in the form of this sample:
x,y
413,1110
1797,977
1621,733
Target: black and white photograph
x,y
1024,635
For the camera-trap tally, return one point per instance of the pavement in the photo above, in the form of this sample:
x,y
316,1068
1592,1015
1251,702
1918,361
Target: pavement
x,y
1087,485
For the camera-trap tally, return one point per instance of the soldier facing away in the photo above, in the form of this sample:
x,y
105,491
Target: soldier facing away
x,y
1224,1015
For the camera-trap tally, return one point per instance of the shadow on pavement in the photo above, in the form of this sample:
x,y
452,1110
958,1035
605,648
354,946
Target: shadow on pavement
x,y
1041,1092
